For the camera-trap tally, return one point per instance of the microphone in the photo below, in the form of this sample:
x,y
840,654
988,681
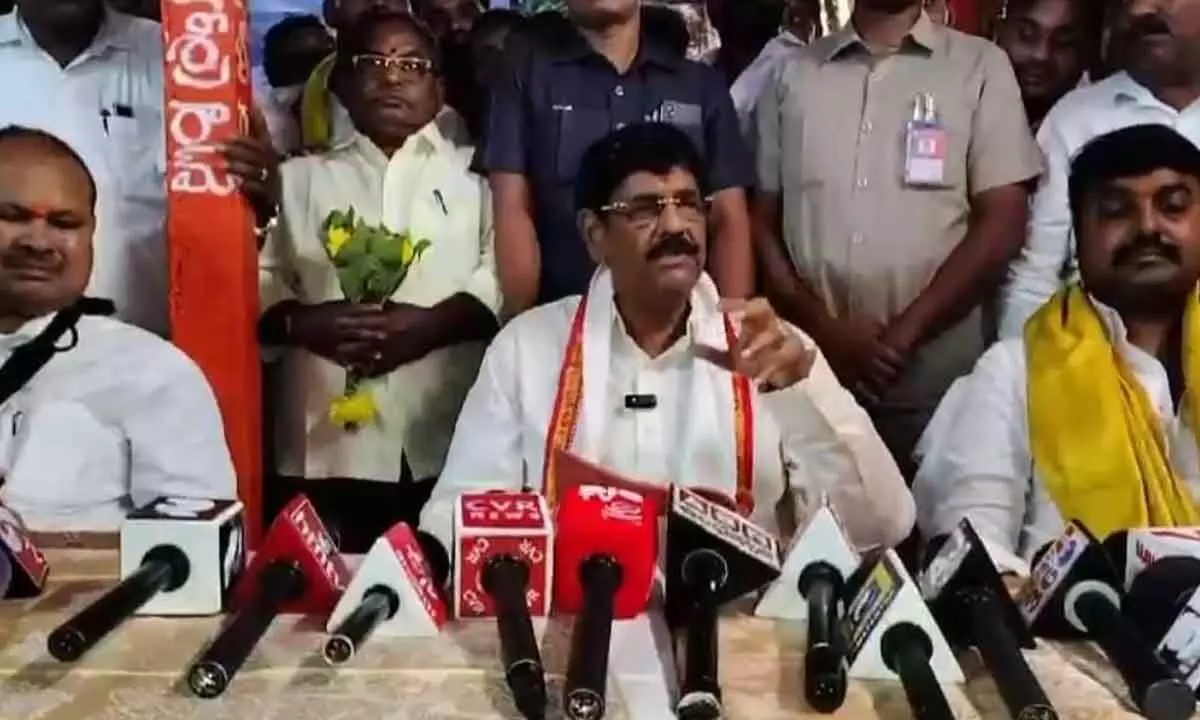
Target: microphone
x,y
395,592
811,587
606,551
27,565
297,570
1132,551
179,556
968,598
503,564
907,650
714,555
1072,591
891,635
1164,604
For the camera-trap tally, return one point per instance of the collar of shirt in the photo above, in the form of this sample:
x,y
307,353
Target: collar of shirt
x,y
925,37
574,48
113,34
1127,91
1118,335
626,349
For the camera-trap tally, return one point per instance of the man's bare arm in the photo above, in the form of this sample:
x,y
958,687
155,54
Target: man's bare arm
x,y
518,257
792,298
731,254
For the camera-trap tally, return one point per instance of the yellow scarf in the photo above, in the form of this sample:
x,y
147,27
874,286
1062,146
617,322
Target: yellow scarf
x,y
1097,442
316,116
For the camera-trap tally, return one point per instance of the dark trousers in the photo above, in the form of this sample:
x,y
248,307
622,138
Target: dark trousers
x,y
356,512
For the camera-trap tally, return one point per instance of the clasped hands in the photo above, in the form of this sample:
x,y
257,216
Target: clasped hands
x,y
868,356
369,340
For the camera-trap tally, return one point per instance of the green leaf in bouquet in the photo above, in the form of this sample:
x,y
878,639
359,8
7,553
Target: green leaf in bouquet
x,y
390,250
352,279
355,249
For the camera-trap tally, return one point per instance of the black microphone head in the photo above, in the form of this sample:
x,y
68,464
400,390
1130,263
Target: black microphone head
x,y
900,636
1116,546
694,523
819,571
962,564
1074,557
1159,593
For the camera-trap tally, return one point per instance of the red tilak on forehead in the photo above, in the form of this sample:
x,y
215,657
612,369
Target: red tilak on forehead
x,y
40,211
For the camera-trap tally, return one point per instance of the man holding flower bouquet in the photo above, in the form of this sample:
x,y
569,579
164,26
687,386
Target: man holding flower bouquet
x,y
378,285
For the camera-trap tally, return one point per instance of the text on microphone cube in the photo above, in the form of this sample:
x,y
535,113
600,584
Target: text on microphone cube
x,y
209,533
30,569
1152,544
728,525
870,604
489,525
1050,571
408,551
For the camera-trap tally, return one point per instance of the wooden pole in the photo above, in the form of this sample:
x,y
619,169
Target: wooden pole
x,y
214,266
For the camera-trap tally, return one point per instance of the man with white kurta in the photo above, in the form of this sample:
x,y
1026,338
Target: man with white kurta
x,y
403,166
1093,413
651,376
96,416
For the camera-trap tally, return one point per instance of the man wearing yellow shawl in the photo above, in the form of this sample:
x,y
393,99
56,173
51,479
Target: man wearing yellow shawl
x,y
1093,413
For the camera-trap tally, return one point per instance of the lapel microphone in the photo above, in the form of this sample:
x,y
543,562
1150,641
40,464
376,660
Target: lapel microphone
x,y
636,401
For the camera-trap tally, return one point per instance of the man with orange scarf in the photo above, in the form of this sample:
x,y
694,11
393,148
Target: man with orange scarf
x,y
651,376
1093,414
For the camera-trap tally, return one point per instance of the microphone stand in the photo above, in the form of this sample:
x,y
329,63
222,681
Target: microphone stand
x,y
506,579
584,696
1156,692
379,603
825,658
1019,687
279,582
164,568
704,573
906,650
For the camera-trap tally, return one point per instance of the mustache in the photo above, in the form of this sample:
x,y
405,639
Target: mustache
x,y
674,244
1143,243
1145,25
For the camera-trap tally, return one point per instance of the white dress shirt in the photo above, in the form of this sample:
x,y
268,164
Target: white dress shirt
x,y
976,461
1081,116
112,423
426,188
114,92
811,439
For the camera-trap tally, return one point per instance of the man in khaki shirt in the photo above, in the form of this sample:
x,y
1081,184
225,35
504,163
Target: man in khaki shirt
x,y
895,231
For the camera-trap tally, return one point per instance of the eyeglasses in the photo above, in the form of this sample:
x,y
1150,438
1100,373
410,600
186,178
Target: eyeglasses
x,y
384,67
646,210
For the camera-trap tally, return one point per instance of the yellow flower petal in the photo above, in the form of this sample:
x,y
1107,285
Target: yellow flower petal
x,y
353,410
338,237
406,250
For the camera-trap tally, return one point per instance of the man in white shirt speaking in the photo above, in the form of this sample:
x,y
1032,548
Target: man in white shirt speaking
x,y
1159,54
650,375
96,416
1093,413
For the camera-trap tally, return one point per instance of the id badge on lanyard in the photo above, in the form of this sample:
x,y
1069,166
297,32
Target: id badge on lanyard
x,y
925,145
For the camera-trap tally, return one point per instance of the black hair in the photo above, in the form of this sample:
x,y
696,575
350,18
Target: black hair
x,y
493,21
656,148
356,38
280,65
20,132
666,28
1125,153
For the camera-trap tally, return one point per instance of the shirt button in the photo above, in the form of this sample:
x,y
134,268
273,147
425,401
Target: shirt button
x,y
866,126
620,125
862,183
857,239
619,91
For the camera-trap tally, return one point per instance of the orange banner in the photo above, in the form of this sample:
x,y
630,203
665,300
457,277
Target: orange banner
x,y
214,265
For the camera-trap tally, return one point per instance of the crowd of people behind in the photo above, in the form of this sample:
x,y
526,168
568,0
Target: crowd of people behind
x,y
815,263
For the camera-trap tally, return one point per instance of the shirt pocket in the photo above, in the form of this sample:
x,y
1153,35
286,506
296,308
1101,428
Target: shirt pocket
x,y
137,150
578,128
687,117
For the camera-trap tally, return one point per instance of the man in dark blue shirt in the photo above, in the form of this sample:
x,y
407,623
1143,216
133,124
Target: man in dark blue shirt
x,y
601,74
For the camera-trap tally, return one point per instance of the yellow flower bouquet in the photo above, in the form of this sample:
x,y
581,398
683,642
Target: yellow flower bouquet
x,y
371,261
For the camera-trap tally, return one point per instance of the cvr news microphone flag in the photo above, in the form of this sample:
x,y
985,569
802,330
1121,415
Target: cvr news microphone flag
x,y
503,567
